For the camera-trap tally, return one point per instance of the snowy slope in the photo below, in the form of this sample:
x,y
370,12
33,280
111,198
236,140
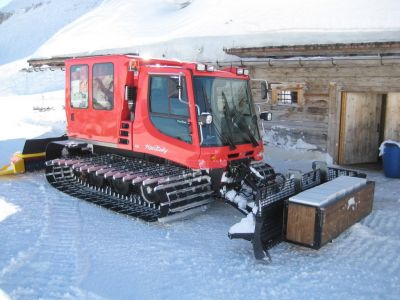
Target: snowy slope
x,y
163,27
20,93
159,27
34,22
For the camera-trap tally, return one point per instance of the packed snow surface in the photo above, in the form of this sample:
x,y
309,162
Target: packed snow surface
x,y
58,247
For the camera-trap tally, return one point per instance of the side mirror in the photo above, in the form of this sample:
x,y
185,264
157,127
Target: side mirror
x,y
205,118
264,90
266,116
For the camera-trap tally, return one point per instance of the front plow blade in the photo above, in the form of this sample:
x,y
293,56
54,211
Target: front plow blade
x,y
32,157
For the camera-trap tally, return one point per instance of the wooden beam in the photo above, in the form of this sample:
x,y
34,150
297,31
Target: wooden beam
x,y
350,49
51,61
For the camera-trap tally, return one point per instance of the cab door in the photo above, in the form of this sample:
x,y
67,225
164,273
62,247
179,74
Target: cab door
x,y
93,109
169,116
77,98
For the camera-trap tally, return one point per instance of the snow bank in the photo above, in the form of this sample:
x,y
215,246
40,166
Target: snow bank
x,y
32,106
2,4
3,295
28,122
280,153
22,94
190,30
199,30
17,82
6,210
279,136
34,22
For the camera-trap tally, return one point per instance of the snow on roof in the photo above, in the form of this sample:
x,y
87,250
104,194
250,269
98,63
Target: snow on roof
x,y
200,29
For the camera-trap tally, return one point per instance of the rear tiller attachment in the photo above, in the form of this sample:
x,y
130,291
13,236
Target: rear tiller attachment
x,y
266,222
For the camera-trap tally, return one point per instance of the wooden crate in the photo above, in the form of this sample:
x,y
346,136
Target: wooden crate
x,y
315,225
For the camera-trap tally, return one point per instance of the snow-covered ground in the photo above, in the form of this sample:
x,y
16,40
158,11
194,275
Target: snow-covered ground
x,y
56,247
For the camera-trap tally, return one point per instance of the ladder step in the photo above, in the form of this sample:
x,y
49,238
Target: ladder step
x,y
190,206
188,189
190,197
180,183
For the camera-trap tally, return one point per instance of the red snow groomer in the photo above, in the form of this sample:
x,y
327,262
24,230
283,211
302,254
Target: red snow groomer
x,y
156,138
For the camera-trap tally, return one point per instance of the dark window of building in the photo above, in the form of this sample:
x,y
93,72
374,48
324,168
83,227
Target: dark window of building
x,y
287,97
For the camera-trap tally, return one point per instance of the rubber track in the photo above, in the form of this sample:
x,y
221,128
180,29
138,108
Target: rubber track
x,y
176,188
132,206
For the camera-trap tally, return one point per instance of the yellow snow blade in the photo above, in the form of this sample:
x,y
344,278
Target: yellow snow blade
x,y
17,164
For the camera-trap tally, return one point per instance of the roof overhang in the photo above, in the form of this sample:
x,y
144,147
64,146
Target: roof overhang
x,y
319,50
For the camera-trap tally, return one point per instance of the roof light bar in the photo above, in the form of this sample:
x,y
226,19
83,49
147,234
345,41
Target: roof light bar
x,y
210,68
239,71
200,67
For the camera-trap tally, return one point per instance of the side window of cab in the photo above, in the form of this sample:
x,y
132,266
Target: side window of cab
x,y
168,113
103,86
79,86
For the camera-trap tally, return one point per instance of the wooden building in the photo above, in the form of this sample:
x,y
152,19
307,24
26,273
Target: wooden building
x,y
342,98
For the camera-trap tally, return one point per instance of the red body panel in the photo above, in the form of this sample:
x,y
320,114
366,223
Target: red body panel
x,y
105,127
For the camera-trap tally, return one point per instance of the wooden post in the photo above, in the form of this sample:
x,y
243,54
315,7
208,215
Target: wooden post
x,y
333,121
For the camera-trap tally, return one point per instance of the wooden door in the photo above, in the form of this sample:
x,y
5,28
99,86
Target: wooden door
x,y
359,128
392,120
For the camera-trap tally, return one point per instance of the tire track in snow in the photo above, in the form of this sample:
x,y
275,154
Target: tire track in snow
x,y
24,256
365,247
52,262
385,221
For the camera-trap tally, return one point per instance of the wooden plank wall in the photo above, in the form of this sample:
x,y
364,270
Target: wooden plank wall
x,y
392,123
361,117
317,120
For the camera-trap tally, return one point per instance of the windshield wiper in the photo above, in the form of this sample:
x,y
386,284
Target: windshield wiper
x,y
232,116
228,116
242,125
224,139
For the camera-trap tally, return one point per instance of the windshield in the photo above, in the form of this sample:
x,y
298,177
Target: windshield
x,y
229,102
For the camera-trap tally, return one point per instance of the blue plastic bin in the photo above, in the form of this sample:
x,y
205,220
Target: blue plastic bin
x,y
391,160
